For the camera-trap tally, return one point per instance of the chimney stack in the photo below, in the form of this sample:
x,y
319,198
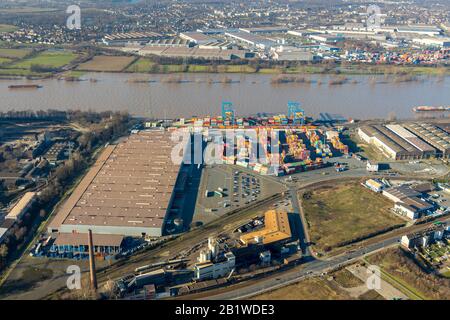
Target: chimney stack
x,y
93,275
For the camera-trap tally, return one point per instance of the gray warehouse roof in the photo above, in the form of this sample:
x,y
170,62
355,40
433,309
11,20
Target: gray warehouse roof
x,y
130,185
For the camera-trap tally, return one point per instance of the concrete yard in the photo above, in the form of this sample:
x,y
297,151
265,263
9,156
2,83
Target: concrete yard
x,y
238,192
386,289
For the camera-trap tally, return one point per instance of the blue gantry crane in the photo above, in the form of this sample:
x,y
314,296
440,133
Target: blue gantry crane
x,y
228,112
296,113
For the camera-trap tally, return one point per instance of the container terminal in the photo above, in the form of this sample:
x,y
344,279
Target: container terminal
x,y
135,197
301,144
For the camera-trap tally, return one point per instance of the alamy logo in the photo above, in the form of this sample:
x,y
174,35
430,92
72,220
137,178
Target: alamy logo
x,y
373,282
374,17
74,20
74,280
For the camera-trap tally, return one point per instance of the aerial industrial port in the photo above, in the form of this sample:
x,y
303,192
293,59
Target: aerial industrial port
x,y
224,150
190,227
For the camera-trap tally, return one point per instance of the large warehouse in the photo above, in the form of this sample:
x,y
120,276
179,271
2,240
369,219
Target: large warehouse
x,y
129,191
399,142
435,136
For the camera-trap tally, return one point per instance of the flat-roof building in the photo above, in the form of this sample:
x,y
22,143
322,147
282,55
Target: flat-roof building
x,y
78,243
330,38
397,194
407,201
441,42
251,39
197,52
276,228
374,185
265,29
129,190
21,207
196,37
126,37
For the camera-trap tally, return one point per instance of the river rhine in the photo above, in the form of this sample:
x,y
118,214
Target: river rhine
x,y
360,97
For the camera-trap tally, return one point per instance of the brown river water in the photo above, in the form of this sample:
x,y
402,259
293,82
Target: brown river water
x,y
361,97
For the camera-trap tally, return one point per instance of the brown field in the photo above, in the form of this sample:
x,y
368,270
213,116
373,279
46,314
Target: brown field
x,y
346,279
309,289
107,63
345,212
405,274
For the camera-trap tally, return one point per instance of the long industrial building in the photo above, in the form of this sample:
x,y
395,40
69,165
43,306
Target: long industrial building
x,y
402,142
435,136
129,191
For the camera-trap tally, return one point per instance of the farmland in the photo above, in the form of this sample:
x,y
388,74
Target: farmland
x,y
53,59
107,63
346,212
14,53
142,65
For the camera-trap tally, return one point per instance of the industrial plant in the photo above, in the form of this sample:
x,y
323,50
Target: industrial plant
x,y
409,141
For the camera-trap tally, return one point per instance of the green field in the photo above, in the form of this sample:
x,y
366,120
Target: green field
x,y
446,274
53,59
4,60
14,53
345,212
20,72
142,65
168,68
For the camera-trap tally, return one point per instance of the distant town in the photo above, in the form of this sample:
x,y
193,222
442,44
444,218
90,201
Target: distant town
x,y
275,37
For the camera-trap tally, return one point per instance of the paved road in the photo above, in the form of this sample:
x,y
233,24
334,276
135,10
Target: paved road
x,y
313,268
299,222
310,268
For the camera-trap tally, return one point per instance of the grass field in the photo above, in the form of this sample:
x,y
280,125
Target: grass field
x,y
345,212
19,72
4,60
238,69
14,53
446,274
142,65
402,272
107,63
53,59
7,28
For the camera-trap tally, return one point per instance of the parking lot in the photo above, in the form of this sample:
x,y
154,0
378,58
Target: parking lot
x,y
224,188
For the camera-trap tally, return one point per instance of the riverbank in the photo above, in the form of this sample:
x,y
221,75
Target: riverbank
x,y
188,94
47,63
